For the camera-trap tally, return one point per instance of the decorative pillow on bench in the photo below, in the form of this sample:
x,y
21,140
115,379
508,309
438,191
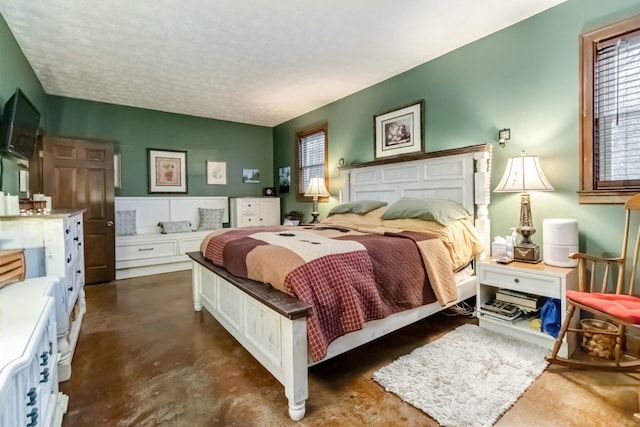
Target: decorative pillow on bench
x,y
125,223
175,226
210,219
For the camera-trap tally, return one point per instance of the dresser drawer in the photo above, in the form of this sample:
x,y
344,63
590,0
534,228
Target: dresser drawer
x,y
248,221
146,250
249,205
539,284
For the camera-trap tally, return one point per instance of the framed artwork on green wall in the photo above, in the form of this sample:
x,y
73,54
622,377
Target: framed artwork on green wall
x,y
217,173
399,131
167,171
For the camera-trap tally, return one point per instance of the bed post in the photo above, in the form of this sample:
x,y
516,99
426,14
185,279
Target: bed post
x,y
482,193
295,366
196,283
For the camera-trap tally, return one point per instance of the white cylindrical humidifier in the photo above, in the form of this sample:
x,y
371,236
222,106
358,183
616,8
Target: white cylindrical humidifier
x,y
559,239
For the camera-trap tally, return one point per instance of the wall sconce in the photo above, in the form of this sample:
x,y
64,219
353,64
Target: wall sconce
x,y
503,136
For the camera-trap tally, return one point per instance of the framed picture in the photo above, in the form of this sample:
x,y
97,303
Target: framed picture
x,y
167,171
217,173
284,179
399,131
251,176
117,179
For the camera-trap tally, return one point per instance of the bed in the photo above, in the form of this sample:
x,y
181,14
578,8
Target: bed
x,y
288,334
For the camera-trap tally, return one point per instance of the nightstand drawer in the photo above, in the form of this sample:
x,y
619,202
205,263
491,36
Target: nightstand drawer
x,y
544,285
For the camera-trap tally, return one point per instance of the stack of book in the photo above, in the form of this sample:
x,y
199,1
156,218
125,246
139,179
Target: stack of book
x,y
501,310
510,305
521,299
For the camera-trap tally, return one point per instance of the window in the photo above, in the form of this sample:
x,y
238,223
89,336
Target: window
x,y
610,119
311,157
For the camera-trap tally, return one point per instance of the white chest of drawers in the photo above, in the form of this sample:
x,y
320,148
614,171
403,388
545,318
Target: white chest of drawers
x,y
29,394
54,246
254,211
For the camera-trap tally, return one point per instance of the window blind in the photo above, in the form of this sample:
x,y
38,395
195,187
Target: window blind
x,y
617,113
311,156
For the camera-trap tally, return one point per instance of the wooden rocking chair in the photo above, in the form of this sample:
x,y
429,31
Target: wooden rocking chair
x,y
621,308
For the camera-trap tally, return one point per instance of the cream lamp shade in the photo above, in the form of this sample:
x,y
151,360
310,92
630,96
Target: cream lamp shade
x,y
523,174
316,189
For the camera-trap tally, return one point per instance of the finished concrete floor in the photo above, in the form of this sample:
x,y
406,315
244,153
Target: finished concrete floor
x,y
145,358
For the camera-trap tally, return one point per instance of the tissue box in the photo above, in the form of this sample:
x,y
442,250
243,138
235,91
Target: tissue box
x,y
498,249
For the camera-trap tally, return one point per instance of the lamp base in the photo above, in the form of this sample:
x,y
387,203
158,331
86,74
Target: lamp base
x,y
315,217
527,253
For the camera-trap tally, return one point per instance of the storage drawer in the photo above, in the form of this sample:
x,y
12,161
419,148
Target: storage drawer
x,y
249,205
545,285
248,221
146,250
189,245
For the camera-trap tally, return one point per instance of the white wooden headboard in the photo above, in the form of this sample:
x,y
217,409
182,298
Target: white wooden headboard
x,y
151,210
462,175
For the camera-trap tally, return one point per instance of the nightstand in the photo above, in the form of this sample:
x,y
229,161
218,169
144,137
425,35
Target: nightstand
x,y
538,279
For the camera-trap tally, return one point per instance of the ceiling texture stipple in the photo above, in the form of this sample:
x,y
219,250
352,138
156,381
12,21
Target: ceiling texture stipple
x,y
260,62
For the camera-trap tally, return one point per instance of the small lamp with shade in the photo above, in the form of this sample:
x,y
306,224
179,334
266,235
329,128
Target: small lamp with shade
x,y
316,189
524,174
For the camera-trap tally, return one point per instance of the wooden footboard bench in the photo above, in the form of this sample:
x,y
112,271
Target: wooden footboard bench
x,y
269,324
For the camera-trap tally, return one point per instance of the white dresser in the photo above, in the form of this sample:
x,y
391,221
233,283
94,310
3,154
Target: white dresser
x,y
54,246
29,393
254,211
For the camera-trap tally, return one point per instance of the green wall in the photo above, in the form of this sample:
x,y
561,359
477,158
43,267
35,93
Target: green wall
x,y
133,130
526,78
15,71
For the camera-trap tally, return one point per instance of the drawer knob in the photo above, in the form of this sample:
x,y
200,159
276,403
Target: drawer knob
x,y
34,417
70,289
144,249
32,395
516,280
76,238
45,375
45,358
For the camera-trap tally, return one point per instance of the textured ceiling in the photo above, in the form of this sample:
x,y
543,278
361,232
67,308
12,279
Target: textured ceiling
x,y
251,61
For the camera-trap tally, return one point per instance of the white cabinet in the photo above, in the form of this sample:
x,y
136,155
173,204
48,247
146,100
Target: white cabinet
x,y
538,279
255,211
29,393
54,246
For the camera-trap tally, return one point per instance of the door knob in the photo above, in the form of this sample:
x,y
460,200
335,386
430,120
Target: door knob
x,y
109,223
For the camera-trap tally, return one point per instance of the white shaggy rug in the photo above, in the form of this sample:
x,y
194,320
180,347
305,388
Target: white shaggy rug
x,y
467,378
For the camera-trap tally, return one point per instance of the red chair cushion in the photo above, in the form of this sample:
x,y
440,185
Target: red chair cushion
x,y
623,307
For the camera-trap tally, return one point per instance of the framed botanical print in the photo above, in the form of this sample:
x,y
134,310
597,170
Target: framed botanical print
x,y
217,173
167,171
399,131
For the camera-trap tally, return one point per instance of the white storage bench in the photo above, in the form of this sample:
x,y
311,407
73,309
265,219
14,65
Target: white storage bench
x,y
149,251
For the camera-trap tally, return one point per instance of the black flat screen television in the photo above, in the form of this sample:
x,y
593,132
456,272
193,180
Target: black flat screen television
x,y
19,129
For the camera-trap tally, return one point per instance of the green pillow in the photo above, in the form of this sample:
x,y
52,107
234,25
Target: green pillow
x,y
441,211
359,207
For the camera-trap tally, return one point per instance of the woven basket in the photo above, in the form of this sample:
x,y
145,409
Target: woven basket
x,y
598,344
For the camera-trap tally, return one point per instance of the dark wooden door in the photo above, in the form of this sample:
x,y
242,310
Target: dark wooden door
x,y
78,174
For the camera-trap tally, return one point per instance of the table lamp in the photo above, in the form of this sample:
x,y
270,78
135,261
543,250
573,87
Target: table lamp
x,y
316,189
524,174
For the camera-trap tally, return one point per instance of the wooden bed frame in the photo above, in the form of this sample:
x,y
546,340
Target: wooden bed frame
x,y
272,325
